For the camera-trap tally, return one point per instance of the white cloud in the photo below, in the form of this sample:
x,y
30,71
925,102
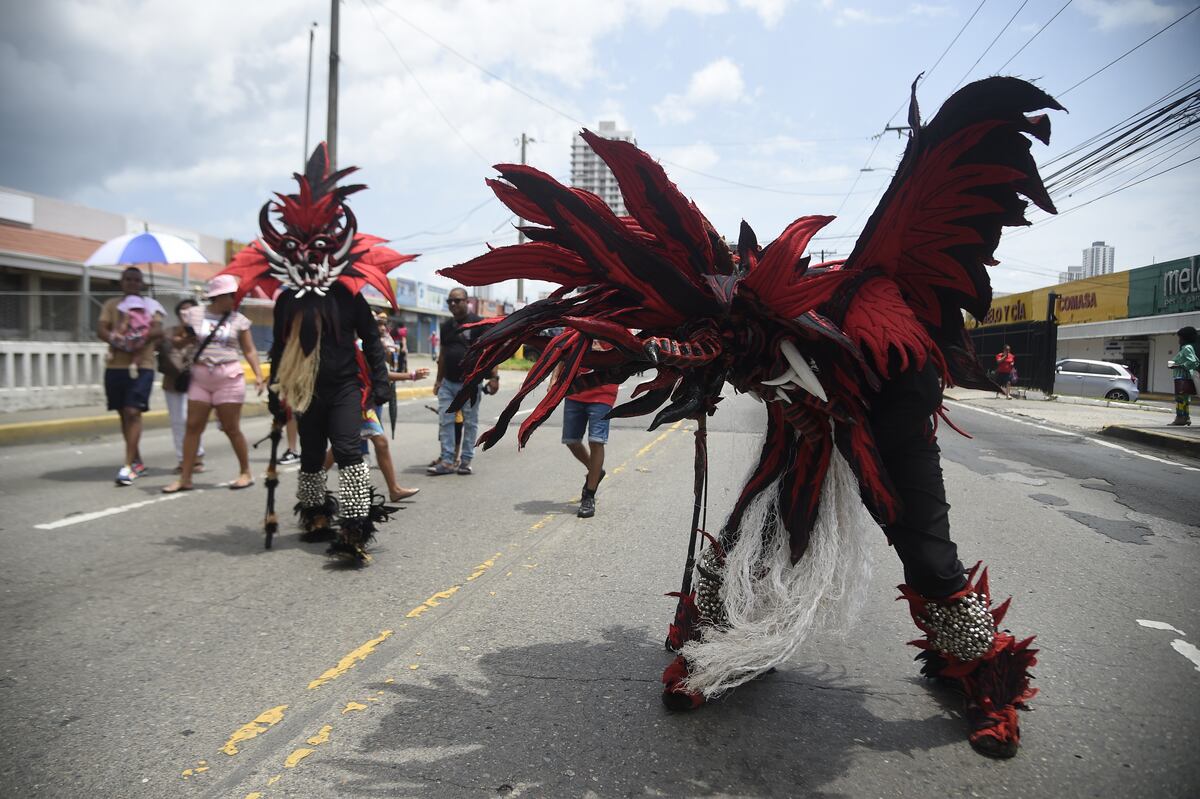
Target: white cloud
x,y
717,83
928,10
770,11
1113,14
699,156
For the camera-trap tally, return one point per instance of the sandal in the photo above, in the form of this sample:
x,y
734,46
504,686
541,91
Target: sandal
x,y
176,487
403,493
238,485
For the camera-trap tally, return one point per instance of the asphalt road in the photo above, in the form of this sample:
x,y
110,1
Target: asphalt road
x,y
499,646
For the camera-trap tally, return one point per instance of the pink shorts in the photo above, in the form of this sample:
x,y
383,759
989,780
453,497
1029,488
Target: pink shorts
x,y
221,384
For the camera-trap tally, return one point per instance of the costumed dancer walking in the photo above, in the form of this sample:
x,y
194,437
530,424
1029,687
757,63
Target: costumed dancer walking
x,y
323,263
849,358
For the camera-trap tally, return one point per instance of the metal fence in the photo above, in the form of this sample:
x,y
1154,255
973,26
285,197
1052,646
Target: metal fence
x,y
1035,344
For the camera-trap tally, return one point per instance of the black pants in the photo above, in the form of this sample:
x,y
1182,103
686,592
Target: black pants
x,y
334,415
901,422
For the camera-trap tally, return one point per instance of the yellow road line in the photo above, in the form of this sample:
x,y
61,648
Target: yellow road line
x,y
652,444
483,567
432,602
295,757
350,660
265,720
322,736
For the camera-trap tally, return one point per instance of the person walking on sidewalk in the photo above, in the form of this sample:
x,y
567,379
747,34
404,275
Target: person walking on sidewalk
x,y
455,338
131,325
1006,364
217,378
175,352
1184,366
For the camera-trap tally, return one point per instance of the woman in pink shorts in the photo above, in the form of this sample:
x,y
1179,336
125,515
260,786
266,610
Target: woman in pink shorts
x,y
222,336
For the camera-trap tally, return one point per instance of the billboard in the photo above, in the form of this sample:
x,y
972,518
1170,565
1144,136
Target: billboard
x,y
1166,288
1095,299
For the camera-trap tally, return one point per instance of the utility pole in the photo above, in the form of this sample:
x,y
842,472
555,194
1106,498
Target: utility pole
x,y
822,253
520,235
331,113
312,32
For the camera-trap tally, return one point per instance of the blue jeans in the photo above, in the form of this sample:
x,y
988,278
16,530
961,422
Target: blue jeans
x,y
470,412
580,417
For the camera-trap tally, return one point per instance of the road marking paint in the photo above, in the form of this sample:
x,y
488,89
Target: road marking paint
x,y
549,517
322,736
652,444
1076,433
1189,651
80,518
265,720
294,758
352,705
254,795
518,413
1159,625
349,661
483,567
432,602
274,779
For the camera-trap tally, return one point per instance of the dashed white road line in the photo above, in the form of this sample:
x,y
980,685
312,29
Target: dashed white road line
x,y
1189,651
1075,433
1159,625
518,413
80,518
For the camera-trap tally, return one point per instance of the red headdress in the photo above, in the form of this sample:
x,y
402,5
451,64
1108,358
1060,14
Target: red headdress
x,y
319,244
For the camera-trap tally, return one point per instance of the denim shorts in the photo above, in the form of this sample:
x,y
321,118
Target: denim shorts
x,y
123,391
580,415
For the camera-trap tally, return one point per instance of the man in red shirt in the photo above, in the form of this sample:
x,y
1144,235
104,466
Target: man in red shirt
x,y
586,410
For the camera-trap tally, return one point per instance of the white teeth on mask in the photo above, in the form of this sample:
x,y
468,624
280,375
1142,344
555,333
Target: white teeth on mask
x,y
344,250
782,395
788,376
803,373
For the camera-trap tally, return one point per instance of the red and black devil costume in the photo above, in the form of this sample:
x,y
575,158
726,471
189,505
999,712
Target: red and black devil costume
x,y
848,357
322,263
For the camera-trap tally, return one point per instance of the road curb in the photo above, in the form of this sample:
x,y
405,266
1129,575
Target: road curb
x,y
1162,440
88,426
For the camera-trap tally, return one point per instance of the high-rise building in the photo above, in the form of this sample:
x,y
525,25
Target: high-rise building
x,y
1072,273
590,173
1098,259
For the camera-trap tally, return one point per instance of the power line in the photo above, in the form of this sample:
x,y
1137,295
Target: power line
x,y
480,67
990,46
421,86
458,219
1034,36
1127,52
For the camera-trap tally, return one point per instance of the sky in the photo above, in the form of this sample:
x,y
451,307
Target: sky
x,y
191,114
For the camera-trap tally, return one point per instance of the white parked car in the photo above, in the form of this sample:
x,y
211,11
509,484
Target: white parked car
x,y
1079,378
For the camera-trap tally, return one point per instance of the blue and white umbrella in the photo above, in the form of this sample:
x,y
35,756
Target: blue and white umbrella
x,y
145,248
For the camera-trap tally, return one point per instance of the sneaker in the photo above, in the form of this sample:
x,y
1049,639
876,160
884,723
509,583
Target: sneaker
x,y
439,468
139,468
465,468
587,505
126,476
289,457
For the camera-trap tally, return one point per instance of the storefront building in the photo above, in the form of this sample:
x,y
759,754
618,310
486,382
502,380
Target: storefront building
x,y
1128,317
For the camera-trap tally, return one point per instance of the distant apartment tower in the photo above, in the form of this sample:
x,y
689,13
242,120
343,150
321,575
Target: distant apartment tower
x,y
1098,259
589,172
1072,273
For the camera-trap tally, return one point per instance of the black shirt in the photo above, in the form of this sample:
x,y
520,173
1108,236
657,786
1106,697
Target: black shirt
x,y
338,363
455,340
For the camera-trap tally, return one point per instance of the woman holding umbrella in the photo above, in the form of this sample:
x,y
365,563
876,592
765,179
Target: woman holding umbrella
x,y
217,378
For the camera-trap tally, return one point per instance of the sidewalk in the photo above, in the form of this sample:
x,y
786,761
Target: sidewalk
x,y
86,421
1144,422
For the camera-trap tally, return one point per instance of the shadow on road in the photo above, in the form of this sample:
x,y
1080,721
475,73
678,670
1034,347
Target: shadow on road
x,y
584,719
540,507
239,540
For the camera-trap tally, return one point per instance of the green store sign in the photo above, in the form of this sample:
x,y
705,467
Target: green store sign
x,y
1167,288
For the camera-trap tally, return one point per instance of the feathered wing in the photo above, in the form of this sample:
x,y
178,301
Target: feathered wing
x,y
650,271
961,180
